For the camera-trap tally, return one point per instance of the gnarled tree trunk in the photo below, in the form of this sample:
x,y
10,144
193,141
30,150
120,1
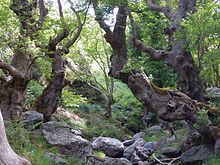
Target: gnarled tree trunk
x,y
48,101
169,105
7,155
179,58
18,74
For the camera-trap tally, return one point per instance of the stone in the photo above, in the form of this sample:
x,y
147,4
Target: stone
x,y
165,142
94,160
58,158
171,152
128,142
151,146
60,135
138,135
140,154
31,119
154,129
213,90
110,146
195,155
129,150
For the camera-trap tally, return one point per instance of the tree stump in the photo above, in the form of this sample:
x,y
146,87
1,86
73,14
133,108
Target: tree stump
x,y
7,155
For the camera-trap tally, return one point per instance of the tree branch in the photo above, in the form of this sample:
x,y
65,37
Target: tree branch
x,y
43,12
53,43
167,10
12,71
154,54
60,9
99,18
80,25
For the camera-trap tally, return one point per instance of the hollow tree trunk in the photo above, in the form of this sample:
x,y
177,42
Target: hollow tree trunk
x,y
48,102
7,155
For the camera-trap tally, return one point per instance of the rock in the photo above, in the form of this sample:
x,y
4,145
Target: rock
x,y
196,154
31,119
171,152
151,146
60,135
213,90
165,142
140,154
128,142
138,135
110,146
154,129
58,158
94,160
129,150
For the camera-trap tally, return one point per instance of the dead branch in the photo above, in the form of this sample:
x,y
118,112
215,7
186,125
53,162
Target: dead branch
x,y
161,161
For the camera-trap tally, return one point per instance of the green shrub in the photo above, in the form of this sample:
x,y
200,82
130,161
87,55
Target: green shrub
x,y
31,145
214,160
34,90
71,100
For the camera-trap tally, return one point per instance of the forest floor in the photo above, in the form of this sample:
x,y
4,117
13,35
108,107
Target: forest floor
x,y
31,145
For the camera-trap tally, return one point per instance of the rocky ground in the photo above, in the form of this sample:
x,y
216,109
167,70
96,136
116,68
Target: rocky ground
x,y
153,147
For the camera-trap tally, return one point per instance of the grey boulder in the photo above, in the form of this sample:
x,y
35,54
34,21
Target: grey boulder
x,y
171,152
129,150
56,158
154,129
31,119
110,146
60,135
196,155
140,154
94,160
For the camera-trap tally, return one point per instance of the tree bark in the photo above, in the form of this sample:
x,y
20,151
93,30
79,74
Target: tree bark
x,y
19,72
179,58
7,155
48,101
168,105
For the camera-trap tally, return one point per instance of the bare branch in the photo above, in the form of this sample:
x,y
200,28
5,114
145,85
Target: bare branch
x,y
103,91
12,71
154,54
53,43
43,12
161,161
167,10
60,9
80,25
99,18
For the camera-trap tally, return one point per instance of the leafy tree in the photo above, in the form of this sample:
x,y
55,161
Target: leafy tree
x,y
93,63
202,29
57,47
167,104
20,24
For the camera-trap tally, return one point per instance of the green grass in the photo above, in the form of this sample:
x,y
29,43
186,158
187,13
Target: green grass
x,y
214,160
155,136
31,145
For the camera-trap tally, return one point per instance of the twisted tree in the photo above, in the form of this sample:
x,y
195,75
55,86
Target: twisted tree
x,y
169,105
48,101
18,73
179,57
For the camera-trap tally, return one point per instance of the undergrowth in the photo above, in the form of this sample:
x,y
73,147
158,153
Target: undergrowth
x,y
31,145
